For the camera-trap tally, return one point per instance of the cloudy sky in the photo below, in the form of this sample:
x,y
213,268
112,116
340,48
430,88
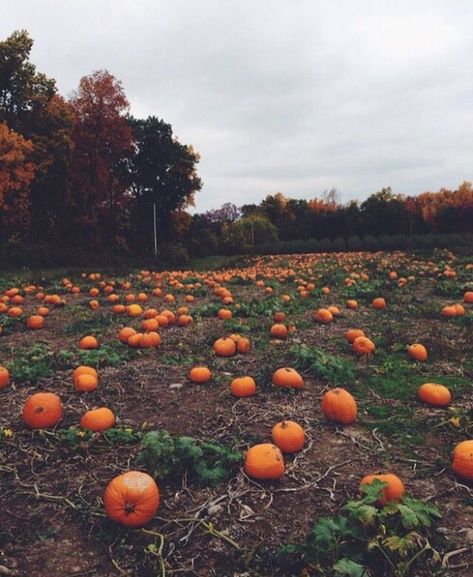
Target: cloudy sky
x,y
295,96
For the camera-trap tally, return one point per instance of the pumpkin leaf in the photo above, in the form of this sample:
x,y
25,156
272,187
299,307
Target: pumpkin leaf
x,y
348,568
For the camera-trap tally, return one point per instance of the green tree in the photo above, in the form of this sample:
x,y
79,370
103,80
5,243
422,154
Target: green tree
x,y
163,173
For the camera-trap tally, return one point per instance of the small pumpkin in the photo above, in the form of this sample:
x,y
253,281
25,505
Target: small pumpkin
x,y
353,334
363,346
434,394
225,347
339,405
323,316
378,303
468,297
264,461
88,343
278,331
243,387
225,314
132,499
418,352
243,345
352,304
35,322
42,410
98,420
394,490
287,377
200,375
462,460
4,377
125,333
289,436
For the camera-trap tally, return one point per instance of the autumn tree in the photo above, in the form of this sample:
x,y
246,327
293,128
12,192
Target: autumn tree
x,y
102,146
163,174
31,106
16,174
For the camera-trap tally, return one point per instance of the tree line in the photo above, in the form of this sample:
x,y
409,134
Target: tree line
x,y
82,172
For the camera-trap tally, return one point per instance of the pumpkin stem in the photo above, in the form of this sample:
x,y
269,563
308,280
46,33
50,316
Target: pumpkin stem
x,y
129,508
39,410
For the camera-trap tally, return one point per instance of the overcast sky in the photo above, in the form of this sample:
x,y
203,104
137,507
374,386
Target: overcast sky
x,y
295,96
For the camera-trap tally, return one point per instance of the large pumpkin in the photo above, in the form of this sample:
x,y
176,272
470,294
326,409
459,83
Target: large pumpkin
x,y
42,410
338,405
131,499
434,394
264,461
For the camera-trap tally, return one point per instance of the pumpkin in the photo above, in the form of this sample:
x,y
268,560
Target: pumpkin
x,y
243,345
338,405
225,314
449,311
200,375
417,352
85,383
434,394
243,387
131,499
288,436
125,333
84,370
353,334
278,331
462,460
363,346
378,303
15,312
35,322
98,420
88,343
264,461
134,340
134,310
394,491
323,316
42,410
352,304
225,347
468,297
43,311
288,377
184,320
4,377
149,340
279,317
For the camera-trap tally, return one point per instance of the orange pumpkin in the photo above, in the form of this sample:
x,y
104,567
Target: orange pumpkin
x,y
353,334
4,377
264,461
323,316
225,314
243,387
352,304
35,322
418,352
243,345
278,331
363,346
339,405
434,394
134,310
125,333
462,460
289,436
200,375
42,410
225,347
131,499
379,303
468,297
98,420
288,377
88,343
394,490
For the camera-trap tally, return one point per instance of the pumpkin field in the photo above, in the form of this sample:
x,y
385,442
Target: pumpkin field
x,y
304,415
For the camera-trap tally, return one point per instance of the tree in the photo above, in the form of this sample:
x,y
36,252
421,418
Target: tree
x,y
163,173
16,174
102,148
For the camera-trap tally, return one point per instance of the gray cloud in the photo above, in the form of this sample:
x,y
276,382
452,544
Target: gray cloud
x,y
279,95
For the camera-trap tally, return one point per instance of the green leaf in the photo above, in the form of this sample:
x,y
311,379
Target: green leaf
x,y
348,568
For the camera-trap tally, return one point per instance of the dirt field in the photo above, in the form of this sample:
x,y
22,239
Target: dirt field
x,y
52,481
